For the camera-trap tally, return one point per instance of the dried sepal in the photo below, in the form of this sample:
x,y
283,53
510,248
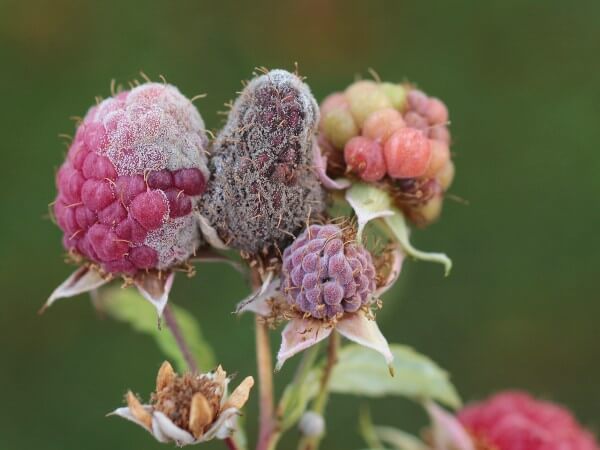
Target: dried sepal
x,y
155,287
201,415
165,376
138,411
240,394
84,279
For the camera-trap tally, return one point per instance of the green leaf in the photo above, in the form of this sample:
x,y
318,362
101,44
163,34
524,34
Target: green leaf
x,y
398,439
300,391
127,305
399,228
359,372
367,429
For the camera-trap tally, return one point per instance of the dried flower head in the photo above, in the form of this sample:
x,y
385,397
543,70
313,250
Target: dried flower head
x,y
190,408
130,183
263,187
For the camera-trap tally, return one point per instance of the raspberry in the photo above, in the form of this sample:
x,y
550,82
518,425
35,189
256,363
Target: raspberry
x,y
324,276
408,125
515,420
381,124
263,187
365,97
365,157
429,114
132,176
407,153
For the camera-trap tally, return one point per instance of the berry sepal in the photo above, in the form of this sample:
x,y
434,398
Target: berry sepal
x,y
302,333
370,203
154,286
84,279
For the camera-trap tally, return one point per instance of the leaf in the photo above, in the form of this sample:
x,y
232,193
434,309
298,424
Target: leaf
x,y
368,203
300,391
127,305
359,372
398,439
367,429
397,225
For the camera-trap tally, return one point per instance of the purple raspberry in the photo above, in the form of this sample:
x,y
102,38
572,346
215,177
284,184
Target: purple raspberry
x,y
428,114
132,176
324,276
263,187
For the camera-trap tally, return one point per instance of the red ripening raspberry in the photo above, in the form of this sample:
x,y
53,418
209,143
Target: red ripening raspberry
x,y
364,157
407,153
133,174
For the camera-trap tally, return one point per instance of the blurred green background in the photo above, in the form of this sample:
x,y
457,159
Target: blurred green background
x,y
521,307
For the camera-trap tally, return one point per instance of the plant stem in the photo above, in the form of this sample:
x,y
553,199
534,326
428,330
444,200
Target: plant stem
x,y
267,433
320,403
173,326
265,384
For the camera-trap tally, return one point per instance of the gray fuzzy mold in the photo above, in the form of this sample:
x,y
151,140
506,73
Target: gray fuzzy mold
x,y
263,186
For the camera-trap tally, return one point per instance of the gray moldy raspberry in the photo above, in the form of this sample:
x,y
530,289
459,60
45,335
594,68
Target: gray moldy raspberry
x,y
325,277
263,187
132,177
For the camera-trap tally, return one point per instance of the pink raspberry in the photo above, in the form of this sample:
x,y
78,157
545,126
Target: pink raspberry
x,y
325,276
428,114
407,153
516,421
132,177
364,156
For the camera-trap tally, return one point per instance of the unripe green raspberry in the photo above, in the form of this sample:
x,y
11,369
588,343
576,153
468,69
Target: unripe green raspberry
x,y
339,126
365,97
396,93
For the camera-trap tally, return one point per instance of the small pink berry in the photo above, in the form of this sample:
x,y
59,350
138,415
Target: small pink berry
x,y
179,203
364,157
336,100
128,187
98,167
112,214
160,179
150,209
143,257
381,124
440,155
436,111
190,181
130,230
407,153
96,194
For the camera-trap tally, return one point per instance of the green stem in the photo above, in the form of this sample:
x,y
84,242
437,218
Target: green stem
x,y
320,403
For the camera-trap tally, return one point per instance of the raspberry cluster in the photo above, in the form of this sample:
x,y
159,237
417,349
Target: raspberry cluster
x,y
324,276
132,176
263,187
391,134
515,421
